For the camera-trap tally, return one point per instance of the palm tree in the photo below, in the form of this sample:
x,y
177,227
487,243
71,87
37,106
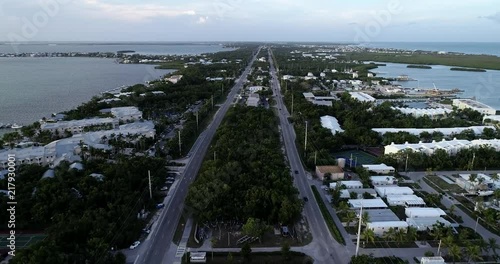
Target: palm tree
x,y
474,253
411,234
493,246
343,206
452,209
350,217
389,235
447,241
482,244
400,235
495,177
365,218
369,235
454,252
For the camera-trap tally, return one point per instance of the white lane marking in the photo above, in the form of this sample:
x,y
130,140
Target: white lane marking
x,y
136,259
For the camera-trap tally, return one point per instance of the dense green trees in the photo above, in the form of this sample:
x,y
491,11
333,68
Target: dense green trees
x,y
248,177
83,216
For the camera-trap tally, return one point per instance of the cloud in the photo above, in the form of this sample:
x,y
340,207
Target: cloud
x,y
138,12
202,20
495,17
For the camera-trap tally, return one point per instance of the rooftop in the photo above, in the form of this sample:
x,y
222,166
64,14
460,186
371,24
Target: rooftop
x,y
388,224
362,97
473,103
367,203
329,169
331,123
380,215
375,167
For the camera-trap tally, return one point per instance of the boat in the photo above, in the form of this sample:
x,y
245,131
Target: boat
x,y
15,126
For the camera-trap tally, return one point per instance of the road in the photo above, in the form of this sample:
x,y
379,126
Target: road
x,y
325,249
157,248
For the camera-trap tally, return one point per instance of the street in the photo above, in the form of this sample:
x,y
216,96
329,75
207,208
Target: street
x,y
158,247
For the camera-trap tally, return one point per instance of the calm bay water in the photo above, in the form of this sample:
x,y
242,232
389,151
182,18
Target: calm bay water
x,y
485,86
141,48
31,88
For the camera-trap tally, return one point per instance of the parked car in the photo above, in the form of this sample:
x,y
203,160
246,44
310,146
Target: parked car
x,y
296,172
164,188
135,244
306,199
160,205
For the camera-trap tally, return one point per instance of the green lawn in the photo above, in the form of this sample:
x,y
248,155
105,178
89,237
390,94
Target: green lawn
x,y
334,229
434,181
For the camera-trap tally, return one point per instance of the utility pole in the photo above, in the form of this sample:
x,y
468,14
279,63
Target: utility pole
x,y
350,161
212,101
292,105
150,191
197,123
215,156
180,143
472,163
359,229
305,140
475,227
315,155
406,165
222,89
355,161
439,247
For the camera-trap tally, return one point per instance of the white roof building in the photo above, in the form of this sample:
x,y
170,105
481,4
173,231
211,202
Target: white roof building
x,y
349,184
331,123
376,203
478,130
253,100
384,191
402,200
174,78
383,180
474,105
416,212
419,112
77,126
254,89
379,168
379,228
491,119
450,146
362,97
432,260
126,113
424,223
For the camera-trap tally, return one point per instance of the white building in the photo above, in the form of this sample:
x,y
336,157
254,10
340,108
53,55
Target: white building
x,y
450,146
127,113
425,223
254,89
174,78
384,191
423,212
419,112
478,130
347,184
383,180
474,105
379,168
78,126
405,200
379,228
433,260
376,203
362,97
491,119
288,77
331,123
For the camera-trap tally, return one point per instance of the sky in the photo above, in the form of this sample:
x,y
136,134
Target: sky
x,y
250,20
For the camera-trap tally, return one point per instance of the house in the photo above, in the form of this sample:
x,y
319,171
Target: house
x,y
424,212
349,184
369,75
379,228
379,168
376,203
331,123
355,75
336,172
405,200
383,180
174,78
384,191
288,77
361,192
426,223
254,89
362,97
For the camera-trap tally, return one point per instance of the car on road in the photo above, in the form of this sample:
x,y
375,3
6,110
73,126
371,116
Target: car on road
x,y
164,188
135,244
305,199
296,172
160,205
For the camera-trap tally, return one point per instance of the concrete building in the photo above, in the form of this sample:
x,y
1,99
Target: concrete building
x,y
376,203
379,168
384,191
253,100
474,105
336,172
362,97
405,200
331,123
426,212
383,180
379,228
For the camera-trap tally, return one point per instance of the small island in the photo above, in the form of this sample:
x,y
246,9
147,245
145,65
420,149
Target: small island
x,y
467,69
419,66
125,51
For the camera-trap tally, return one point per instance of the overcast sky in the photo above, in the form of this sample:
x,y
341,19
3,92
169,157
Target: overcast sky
x,y
250,20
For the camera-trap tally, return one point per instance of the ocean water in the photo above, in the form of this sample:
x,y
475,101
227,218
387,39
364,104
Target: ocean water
x,y
153,48
490,48
31,88
484,86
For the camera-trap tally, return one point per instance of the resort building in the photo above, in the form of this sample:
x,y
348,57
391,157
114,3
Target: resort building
x,y
478,130
128,113
450,146
419,112
474,105
79,126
